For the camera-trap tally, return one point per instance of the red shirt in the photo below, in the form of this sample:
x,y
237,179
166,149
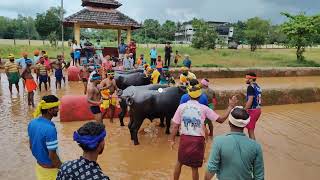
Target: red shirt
x,y
132,47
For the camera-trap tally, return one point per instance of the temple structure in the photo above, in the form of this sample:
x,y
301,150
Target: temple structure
x,y
101,14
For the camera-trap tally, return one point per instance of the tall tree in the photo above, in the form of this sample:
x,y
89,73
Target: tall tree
x,y
168,29
152,28
50,23
205,36
276,36
238,32
300,29
256,32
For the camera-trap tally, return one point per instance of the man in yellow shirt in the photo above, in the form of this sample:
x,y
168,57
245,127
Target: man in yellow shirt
x,y
12,72
155,74
186,76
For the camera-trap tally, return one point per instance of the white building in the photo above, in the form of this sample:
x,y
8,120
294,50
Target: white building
x,y
185,34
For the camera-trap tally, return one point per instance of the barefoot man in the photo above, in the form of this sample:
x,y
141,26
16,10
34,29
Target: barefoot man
x,y
109,84
190,118
94,97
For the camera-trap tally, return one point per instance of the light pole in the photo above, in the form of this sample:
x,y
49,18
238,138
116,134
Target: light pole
x,y
62,33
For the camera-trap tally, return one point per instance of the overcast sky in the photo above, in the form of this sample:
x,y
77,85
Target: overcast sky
x,y
177,10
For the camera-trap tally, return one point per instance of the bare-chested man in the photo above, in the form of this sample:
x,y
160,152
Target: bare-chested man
x,y
30,84
110,84
84,76
94,97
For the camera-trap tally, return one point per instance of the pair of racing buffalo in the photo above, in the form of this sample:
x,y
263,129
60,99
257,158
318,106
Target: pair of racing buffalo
x,y
146,101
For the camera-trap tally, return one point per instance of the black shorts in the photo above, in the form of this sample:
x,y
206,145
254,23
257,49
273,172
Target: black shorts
x,y
95,109
43,78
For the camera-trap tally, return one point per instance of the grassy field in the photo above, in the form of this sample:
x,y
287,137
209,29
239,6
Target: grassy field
x,y
205,58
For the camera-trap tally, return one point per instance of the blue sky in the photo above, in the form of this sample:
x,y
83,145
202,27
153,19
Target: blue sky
x,y
177,10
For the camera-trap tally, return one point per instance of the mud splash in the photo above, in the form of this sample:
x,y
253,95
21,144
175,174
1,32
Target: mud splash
x,y
289,134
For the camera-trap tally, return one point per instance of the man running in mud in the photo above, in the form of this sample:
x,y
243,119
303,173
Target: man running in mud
x,y
109,84
94,97
253,105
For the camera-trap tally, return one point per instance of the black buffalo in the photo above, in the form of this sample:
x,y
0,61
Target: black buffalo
x,y
125,79
151,104
129,92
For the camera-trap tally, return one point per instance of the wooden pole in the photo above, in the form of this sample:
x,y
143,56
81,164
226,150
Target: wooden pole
x,y
62,30
77,32
119,36
128,35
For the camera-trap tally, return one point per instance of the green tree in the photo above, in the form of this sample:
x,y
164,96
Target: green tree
x,y
238,32
205,36
300,29
52,37
179,25
19,28
256,32
168,30
152,28
276,36
50,22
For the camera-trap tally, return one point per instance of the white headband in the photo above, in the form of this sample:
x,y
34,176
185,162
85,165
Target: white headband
x,y
238,122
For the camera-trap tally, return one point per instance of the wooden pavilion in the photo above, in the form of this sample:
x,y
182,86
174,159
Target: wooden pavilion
x,y
101,14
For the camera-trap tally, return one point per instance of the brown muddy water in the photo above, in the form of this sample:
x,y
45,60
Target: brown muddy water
x,y
289,134
267,83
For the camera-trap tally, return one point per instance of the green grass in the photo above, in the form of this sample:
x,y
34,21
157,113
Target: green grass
x,y
204,57
17,50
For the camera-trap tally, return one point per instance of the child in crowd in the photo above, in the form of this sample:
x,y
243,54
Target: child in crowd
x,y
141,61
177,58
159,65
127,62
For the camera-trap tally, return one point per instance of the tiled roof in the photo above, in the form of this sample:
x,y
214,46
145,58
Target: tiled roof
x,y
102,3
101,17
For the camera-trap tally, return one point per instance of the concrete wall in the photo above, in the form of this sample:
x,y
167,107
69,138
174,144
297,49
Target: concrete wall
x,y
273,96
261,72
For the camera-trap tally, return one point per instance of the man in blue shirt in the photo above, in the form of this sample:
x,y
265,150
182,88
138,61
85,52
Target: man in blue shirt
x,y
234,155
253,104
122,49
22,62
43,138
153,56
203,99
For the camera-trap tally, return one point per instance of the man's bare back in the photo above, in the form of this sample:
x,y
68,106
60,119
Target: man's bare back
x,y
93,94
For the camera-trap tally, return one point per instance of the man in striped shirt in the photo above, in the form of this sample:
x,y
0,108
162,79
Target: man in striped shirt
x,y
12,72
42,73
43,138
